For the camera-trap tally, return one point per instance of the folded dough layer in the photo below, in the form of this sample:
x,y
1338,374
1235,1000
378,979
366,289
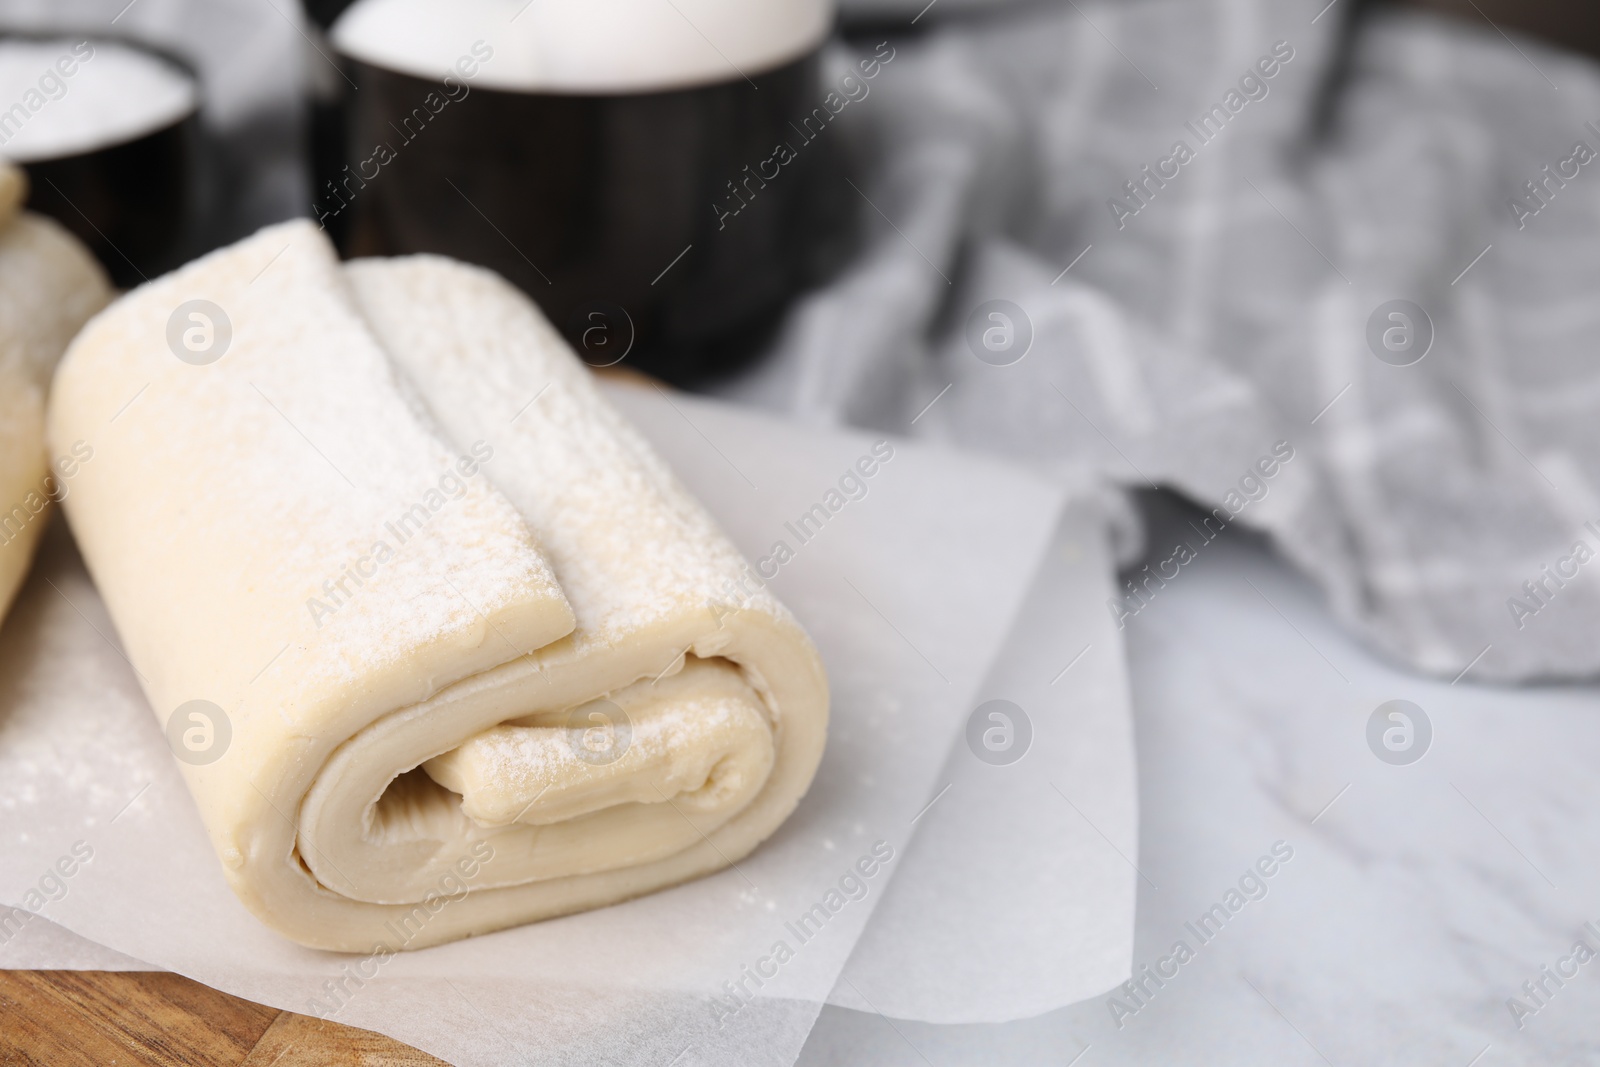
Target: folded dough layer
x,y
463,626
49,286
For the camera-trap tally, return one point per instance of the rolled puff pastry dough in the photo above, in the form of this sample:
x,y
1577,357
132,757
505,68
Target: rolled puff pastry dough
x,y
481,659
49,286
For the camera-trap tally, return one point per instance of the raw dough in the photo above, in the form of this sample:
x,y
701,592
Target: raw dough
x,y
49,286
548,691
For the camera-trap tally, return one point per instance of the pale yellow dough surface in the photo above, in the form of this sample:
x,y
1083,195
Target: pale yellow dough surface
x,y
49,286
542,683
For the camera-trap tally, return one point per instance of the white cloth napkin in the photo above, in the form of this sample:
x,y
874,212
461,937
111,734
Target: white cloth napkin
x,y
1188,318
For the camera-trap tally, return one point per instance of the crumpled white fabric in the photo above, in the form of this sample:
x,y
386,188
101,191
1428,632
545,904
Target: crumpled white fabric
x,y
1176,346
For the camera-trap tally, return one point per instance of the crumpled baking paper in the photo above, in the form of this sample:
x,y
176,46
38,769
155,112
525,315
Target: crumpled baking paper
x,y
909,593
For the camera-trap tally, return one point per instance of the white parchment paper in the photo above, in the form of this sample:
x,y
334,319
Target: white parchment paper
x,y
908,592
991,916
1017,895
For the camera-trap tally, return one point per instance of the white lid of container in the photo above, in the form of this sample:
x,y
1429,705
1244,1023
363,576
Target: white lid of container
x,y
68,96
583,46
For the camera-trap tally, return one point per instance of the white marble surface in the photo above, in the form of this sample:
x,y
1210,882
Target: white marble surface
x,y
1414,905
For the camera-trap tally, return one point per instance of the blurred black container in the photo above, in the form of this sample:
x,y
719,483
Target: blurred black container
x,y
639,222
326,123
127,185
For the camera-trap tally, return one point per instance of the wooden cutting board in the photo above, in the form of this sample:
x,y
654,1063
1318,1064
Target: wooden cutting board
x,y
138,1018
